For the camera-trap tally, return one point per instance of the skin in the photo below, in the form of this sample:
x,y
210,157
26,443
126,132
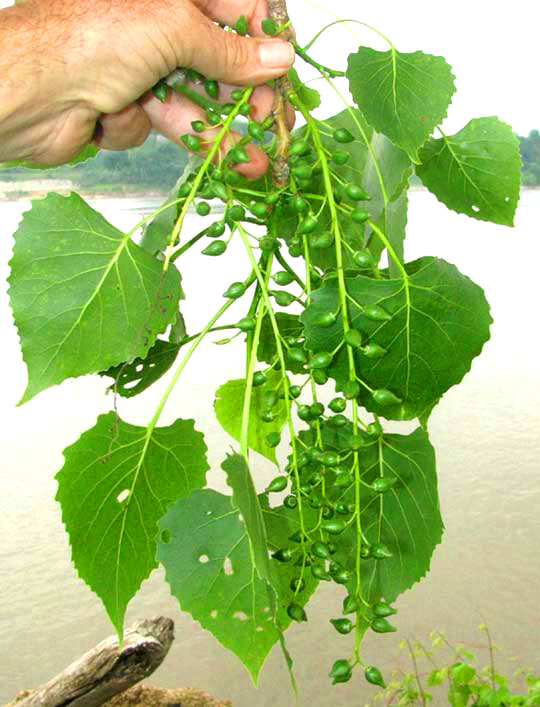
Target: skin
x,y
76,72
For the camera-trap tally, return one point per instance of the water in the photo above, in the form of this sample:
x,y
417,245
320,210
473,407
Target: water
x,y
486,432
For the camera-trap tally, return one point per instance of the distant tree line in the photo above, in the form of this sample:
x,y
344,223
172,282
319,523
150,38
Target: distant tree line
x,y
530,155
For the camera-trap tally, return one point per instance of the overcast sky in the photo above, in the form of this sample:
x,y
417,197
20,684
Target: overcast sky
x,y
492,47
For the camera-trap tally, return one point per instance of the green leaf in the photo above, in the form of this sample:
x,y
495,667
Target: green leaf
x,y
84,296
404,96
205,550
246,500
308,96
406,518
288,325
130,379
439,321
117,482
229,405
476,172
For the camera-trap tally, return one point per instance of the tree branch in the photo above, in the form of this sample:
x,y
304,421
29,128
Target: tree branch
x,y
106,670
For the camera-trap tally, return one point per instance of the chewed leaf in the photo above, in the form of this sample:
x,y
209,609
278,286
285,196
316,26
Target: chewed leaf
x,y
84,296
204,547
130,379
476,172
404,96
117,482
435,322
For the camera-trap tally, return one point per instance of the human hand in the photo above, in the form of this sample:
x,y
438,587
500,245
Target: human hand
x,y
74,63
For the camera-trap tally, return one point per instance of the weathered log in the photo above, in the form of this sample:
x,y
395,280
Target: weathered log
x,y
106,670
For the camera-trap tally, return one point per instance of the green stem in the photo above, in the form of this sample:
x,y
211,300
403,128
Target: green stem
x,y
200,175
203,102
340,21
252,361
187,246
323,69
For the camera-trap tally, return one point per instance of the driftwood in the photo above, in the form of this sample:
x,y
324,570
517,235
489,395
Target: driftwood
x,y
105,671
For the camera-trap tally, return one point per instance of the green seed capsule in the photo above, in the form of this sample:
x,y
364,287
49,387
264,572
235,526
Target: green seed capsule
x,y
297,537
319,572
320,360
343,626
239,155
283,555
246,324
194,76
296,612
325,319
299,205
299,148
232,178
385,397
356,193
343,135
341,672
219,190
215,248
278,484
236,213
260,210
282,278
290,501
304,413
241,26
363,259
320,376
374,351
340,157
216,230
203,208
351,604
381,625
295,391
185,189
377,313
342,509
338,420
212,88
272,439
351,389
213,117
382,485
337,405
327,512
267,415
316,410
334,526
237,95
360,216
160,91
297,355
373,675
365,551
283,299
227,108
320,550
268,244
330,458
382,609
270,398
259,378
192,142
321,240
353,338
381,552
235,290
269,27
342,576
297,585
302,171
356,442
255,130
308,225
198,126
374,429
315,502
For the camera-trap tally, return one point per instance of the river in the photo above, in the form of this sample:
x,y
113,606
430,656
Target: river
x,y
487,436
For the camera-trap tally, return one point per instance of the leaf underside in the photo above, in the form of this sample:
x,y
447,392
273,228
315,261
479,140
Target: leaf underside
x,y
84,296
115,485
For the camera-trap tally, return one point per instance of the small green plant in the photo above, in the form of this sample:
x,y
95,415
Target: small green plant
x,y
351,503
446,674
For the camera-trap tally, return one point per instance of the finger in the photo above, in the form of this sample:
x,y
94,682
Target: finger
x,y
119,131
228,57
173,119
228,11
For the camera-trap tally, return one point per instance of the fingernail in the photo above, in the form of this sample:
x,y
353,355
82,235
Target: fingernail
x,y
276,54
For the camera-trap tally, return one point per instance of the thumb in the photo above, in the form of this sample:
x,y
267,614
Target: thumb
x,y
229,57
